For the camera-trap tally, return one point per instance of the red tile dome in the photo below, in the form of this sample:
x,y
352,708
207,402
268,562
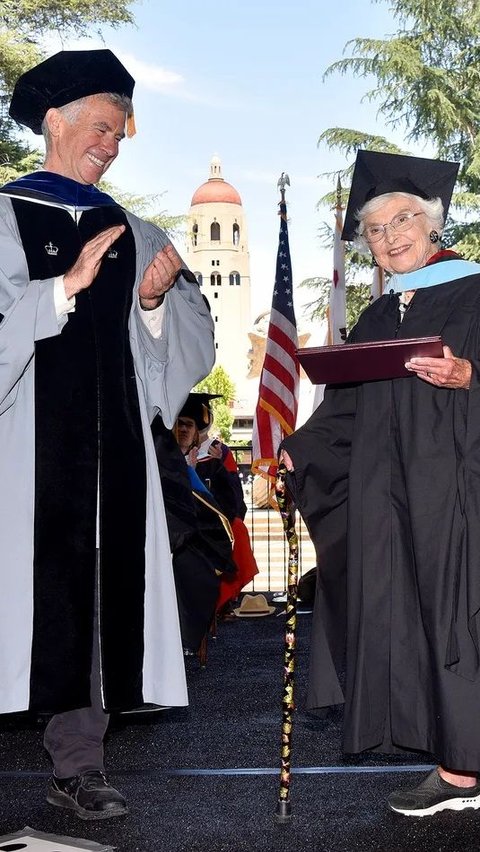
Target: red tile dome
x,y
216,190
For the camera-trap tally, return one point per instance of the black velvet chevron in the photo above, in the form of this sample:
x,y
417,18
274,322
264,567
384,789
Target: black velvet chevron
x,y
87,430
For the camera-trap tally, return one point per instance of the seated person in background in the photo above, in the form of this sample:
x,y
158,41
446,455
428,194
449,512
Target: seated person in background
x,y
194,418
214,448
200,542
210,469
218,450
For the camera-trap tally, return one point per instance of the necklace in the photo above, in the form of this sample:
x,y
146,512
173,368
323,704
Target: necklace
x,y
404,302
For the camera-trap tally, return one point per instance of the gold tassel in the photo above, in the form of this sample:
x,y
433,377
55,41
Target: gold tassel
x,y
131,129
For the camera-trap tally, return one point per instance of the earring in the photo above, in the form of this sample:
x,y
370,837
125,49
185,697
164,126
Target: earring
x,y
434,238
374,262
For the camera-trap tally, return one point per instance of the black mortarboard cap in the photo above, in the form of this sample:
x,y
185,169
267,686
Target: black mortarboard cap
x,y
66,77
377,173
198,408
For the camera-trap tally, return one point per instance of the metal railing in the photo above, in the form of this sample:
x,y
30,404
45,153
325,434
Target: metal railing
x,y
266,531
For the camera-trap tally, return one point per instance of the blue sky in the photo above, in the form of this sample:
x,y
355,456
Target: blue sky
x,y
244,81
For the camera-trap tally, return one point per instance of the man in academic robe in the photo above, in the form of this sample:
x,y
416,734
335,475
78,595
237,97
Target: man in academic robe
x,y
95,307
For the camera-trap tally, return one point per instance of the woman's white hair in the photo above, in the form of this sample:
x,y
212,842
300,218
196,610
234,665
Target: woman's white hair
x,y
432,207
71,111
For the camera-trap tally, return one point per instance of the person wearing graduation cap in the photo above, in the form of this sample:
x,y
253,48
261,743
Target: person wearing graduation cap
x,y
213,448
194,421
387,477
93,302
194,418
200,534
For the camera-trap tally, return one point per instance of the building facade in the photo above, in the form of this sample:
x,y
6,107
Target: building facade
x,y
217,252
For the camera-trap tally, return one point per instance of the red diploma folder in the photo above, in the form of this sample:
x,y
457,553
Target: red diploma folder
x,y
365,362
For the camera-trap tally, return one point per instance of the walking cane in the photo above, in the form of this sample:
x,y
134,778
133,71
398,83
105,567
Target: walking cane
x,y
284,811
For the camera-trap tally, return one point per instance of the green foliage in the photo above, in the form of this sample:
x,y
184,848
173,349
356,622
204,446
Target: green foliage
x,y
23,23
28,162
146,207
427,81
427,73
38,17
222,423
220,382
348,142
358,268
357,297
17,53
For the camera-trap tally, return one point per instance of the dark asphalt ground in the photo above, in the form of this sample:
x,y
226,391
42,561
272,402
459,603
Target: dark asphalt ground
x,y
206,778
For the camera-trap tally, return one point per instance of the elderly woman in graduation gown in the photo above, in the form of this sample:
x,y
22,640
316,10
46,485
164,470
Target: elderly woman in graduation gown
x,y
387,477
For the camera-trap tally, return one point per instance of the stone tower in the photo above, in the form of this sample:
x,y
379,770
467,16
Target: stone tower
x,y
217,252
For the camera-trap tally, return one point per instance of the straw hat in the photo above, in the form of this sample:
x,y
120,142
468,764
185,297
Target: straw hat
x,y
254,605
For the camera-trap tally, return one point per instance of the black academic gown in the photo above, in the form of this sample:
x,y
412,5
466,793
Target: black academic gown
x,y
201,548
88,440
387,478
217,479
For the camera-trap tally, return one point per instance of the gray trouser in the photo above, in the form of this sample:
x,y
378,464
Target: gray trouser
x,y
74,740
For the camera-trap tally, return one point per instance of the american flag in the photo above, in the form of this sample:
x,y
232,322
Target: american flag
x,y
277,405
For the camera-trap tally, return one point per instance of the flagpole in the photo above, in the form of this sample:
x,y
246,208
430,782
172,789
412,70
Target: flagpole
x,y
283,810
275,418
283,181
337,310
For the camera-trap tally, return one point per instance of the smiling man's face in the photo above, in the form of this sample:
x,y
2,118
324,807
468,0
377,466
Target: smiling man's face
x,y
84,148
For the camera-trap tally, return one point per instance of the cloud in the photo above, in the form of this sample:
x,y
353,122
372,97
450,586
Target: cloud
x,y
151,76
171,83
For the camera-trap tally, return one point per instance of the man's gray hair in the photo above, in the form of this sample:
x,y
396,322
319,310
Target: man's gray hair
x,y
432,207
72,110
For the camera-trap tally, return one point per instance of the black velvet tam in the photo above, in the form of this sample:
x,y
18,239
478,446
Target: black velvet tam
x,y
377,173
197,406
66,77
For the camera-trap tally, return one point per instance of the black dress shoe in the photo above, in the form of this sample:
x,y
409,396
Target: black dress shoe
x,y
89,795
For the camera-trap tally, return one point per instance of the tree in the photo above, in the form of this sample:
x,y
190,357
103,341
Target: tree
x,y
427,80
23,23
357,297
357,293
145,206
219,382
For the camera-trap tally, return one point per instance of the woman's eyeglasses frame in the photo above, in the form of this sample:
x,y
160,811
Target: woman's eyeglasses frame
x,y
401,222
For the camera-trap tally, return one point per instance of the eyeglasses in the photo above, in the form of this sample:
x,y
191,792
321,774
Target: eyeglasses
x,y
400,222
